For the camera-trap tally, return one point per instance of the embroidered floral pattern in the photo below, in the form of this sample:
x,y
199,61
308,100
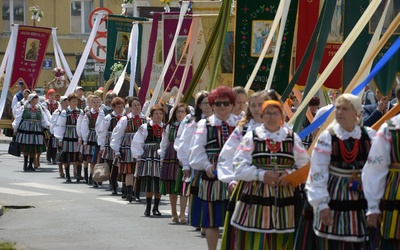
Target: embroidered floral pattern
x,y
318,176
375,159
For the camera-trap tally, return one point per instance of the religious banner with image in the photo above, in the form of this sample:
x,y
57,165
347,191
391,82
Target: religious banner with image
x,y
118,36
29,55
170,23
253,23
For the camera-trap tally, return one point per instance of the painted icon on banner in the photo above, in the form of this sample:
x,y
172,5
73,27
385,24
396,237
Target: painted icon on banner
x,y
260,32
393,10
159,52
33,52
180,46
227,53
336,32
121,50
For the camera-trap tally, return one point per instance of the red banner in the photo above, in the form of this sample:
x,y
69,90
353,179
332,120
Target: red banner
x,y
29,54
308,17
170,24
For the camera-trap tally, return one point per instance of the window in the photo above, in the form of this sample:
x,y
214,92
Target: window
x,y
80,11
13,11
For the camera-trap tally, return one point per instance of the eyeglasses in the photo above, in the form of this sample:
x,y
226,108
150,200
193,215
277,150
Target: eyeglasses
x,y
225,103
207,104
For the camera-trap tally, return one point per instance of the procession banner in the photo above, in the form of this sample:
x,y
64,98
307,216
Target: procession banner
x,y
170,23
118,36
28,58
253,22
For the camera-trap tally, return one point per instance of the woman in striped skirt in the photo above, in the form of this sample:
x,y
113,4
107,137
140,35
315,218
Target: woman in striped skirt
x,y
209,138
263,217
67,136
144,148
28,129
185,133
121,140
104,138
89,135
381,182
171,171
334,181
250,121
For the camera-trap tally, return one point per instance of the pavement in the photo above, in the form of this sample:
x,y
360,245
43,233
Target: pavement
x,y
5,139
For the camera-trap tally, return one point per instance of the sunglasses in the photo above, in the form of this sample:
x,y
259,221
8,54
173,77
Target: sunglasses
x,y
225,103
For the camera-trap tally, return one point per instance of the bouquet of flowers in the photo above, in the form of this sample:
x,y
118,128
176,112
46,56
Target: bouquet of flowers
x,y
59,73
36,13
117,67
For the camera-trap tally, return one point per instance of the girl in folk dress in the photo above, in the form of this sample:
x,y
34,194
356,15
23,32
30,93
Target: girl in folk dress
x,y
66,133
263,217
89,135
53,123
122,137
185,134
334,180
28,128
171,171
104,138
51,105
144,148
209,138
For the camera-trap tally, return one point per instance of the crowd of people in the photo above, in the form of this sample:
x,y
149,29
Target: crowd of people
x,y
230,156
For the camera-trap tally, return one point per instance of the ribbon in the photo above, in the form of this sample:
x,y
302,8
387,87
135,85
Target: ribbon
x,y
150,55
58,54
278,44
167,62
9,56
75,79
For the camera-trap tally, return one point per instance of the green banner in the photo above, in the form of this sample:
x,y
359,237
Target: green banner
x,y
253,23
118,35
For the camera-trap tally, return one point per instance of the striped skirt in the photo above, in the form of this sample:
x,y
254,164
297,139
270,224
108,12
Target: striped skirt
x,y
70,140
195,203
127,167
125,149
265,209
266,241
348,212
150,162
91,143
390,229
108,153
30,137
174,186
150,184
305,236
170,166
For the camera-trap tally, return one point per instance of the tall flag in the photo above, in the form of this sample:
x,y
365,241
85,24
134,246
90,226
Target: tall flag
x,y
29,55
170,23
253,23
118,36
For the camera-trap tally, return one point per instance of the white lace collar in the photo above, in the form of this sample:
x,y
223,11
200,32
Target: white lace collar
x,y
279,135
152,123
343,134
215,121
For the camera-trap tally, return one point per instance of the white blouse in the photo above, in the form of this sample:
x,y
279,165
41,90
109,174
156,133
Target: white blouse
x,y
85,125
185,142
59,130
165,140
225,166
317,181
198,158
45,122
103,126
242,160
377,166
139,139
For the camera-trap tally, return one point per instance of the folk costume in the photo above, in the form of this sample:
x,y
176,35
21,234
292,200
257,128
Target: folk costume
x,y
381,181
144,148
122,137
51,106
334,182
264,215
209,138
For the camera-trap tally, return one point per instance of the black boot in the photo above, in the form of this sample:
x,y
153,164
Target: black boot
x,y
137,190
26,163
129,193
86,175
79,174
114,187
155,208
68,177
148,206
123,191
30,167
90,179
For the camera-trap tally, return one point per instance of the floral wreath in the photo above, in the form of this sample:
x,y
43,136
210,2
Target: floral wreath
x,y
117,67
59,73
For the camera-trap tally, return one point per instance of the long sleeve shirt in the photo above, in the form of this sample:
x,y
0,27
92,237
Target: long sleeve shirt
x,y
139,139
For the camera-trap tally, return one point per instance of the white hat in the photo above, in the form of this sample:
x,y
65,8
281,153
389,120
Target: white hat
x,y
63,98
79,87
32,96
